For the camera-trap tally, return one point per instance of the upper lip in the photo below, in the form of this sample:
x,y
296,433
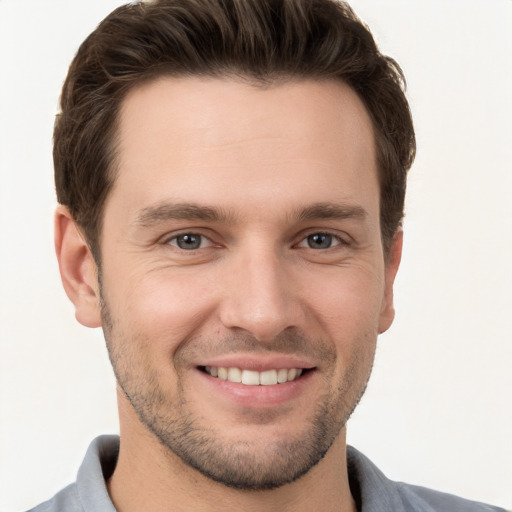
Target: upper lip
x,y
258,363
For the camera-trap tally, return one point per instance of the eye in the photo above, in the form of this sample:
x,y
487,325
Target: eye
x,y
320,241
189,241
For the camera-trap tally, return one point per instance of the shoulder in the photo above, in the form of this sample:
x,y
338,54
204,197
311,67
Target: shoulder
x,y
420,498
374,492
66,500
89,492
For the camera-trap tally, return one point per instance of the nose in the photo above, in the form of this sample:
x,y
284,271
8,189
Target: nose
x,y
260,296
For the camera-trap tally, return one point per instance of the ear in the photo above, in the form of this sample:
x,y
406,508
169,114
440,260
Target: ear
x,y
392,263
78,269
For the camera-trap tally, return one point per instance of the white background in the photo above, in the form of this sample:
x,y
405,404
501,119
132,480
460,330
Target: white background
x,y
438,411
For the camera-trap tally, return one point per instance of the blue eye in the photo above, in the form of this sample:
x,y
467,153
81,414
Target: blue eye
x,y
320,241
189,241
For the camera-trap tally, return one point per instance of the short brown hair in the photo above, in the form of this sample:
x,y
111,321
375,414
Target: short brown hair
x,y
259,40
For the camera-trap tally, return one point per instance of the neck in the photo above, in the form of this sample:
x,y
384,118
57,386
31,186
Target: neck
x,y
149,477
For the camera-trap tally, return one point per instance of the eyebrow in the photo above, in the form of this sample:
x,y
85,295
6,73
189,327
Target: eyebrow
x,y
179,211
332,211
191,211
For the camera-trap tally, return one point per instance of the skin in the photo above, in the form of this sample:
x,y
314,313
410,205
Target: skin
x,y
253,173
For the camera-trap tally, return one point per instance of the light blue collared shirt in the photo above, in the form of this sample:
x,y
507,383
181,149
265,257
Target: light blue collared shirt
x,y
372,491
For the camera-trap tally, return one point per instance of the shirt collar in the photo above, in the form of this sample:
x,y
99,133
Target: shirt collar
x,y
98,465
371,490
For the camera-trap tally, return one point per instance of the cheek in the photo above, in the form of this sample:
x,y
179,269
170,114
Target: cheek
x,y
348,312
348,303
166,306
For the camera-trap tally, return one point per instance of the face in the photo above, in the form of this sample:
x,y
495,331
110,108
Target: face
x,y
243,278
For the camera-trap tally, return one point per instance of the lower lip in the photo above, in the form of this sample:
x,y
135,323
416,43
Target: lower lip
x,y
257,396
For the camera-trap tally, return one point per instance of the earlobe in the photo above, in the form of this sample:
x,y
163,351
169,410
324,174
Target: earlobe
x,y
391,268
78,269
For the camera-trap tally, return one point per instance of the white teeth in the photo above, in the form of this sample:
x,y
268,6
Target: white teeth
x,y
292,373
282,375
254,378
250,378
234,375
268,378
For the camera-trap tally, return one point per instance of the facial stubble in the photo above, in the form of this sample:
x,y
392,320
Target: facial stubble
x,y
235,463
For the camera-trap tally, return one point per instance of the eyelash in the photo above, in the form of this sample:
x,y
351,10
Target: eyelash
x,y
338,241
191,235
335,240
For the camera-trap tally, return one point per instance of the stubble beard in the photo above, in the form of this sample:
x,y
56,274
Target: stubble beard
x,y
233,463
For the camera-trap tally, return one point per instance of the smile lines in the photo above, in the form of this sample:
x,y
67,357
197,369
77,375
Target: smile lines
x,y
254,378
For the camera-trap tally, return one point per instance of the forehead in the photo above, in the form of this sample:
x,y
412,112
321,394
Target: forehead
x,y
194,139
216,111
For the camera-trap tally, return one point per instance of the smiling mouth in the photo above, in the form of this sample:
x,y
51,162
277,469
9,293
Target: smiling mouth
x,y
255,378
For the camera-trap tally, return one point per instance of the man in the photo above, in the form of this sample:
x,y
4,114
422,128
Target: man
x,y
231,179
